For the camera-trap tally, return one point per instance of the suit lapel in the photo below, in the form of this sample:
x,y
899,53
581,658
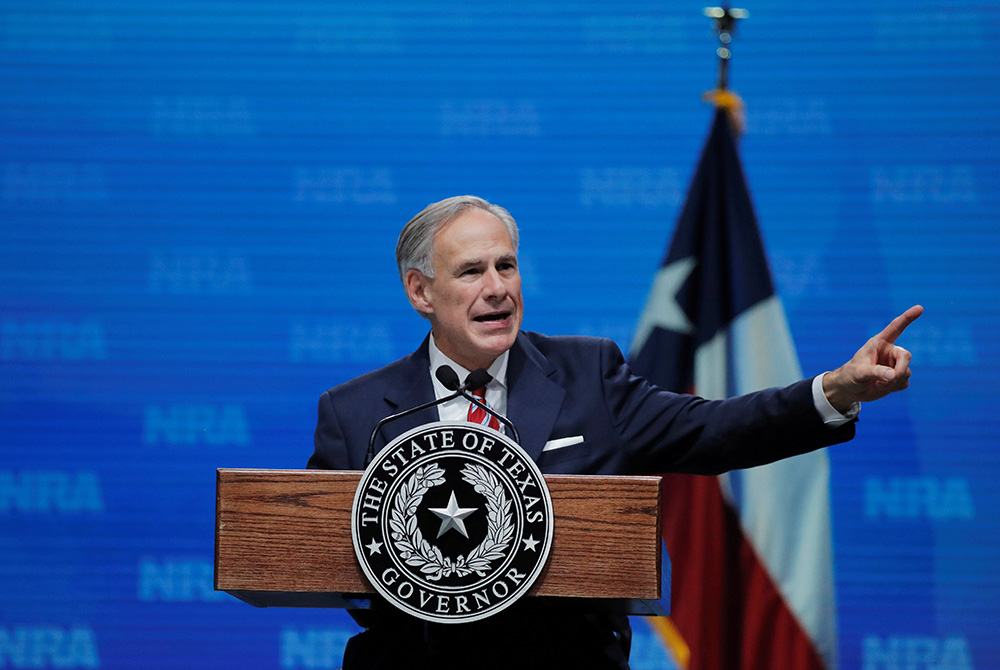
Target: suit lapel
x,y
533,398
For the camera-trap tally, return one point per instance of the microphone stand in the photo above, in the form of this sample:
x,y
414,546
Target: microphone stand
x,y
447,376
370,454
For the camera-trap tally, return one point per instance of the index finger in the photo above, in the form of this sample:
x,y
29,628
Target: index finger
x,y
900,323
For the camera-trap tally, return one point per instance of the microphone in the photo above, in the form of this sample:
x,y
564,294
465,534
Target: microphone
x,y
476,379
449,378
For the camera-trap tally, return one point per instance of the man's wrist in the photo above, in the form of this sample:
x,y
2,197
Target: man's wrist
x,y
835,394
831,414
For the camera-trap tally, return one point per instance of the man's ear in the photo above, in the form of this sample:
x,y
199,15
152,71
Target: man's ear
x,y
418,290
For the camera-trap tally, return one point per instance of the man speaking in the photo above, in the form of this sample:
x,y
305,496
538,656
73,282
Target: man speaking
x,y
578,409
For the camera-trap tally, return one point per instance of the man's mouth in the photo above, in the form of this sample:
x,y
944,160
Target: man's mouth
x,y
496,316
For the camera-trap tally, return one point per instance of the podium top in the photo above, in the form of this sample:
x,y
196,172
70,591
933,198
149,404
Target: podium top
x,y
283,538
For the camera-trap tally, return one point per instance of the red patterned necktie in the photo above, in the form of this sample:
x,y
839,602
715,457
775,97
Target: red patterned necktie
x,y
480,415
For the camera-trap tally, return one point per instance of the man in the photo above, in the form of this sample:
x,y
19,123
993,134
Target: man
x,y
578,409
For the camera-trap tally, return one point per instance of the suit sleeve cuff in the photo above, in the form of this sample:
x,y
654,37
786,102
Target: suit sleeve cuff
x,y
831,417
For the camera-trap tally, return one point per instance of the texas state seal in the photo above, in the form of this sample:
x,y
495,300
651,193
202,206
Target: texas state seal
x,y
452,522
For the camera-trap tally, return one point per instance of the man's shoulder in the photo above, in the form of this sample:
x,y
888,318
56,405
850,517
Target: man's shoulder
x,y
377,382
571,348
567,343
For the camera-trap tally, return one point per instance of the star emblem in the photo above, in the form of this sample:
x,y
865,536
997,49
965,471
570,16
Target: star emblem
x,y
530,543
662,309
375,547
452,516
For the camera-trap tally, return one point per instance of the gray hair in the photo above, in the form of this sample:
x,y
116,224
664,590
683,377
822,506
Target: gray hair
x,y
415,248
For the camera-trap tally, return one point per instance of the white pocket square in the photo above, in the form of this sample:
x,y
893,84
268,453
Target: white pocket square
x,y
561,442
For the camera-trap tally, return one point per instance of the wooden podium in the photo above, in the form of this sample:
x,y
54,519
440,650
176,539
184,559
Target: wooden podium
x,y
283,539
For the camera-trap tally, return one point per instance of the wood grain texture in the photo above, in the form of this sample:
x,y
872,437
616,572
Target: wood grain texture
x,y
290,531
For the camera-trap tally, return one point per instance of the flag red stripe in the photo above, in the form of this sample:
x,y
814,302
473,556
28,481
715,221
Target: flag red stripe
x,y
719,578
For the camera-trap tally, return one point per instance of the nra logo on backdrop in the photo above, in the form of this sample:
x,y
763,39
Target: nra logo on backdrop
x,y
53,491
199,272
924,184
48,647
364,34
630,187
50,31
948,343
642,33
46,182
52,339
790,116
484,118
338,342
916,652
202,115
345,184
196,424
919,498
178,580
313,648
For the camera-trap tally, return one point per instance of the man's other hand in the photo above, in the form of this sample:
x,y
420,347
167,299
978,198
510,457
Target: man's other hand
x,y
876,370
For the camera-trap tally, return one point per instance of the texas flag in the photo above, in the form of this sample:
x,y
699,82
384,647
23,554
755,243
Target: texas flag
x,y
751,549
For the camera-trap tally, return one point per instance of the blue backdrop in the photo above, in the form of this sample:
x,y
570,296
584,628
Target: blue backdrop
x,y
198,206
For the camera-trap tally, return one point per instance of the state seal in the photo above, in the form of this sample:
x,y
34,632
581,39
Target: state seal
x,y
452,522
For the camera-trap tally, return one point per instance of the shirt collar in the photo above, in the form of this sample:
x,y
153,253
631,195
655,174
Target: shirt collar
x,y
498,370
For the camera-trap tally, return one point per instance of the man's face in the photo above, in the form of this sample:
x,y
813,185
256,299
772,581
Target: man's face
x,y
474,302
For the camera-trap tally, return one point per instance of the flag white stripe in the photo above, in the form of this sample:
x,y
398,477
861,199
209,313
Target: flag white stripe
x,y
784,507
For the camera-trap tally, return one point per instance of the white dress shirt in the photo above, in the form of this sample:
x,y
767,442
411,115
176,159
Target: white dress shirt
x,y
458,409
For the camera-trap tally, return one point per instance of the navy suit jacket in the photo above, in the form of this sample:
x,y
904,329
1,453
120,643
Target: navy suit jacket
x,y
561,387
558,387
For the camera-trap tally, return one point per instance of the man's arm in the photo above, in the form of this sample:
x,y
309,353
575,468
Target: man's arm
x,y
658,431
876,370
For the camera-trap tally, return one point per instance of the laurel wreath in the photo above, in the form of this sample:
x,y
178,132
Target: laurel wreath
x,y
421,554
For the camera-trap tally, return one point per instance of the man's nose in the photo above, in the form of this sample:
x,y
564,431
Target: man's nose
x,y
493,285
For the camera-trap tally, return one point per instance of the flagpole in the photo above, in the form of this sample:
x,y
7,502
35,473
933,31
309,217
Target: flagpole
x,y
751,552
725,18
725,25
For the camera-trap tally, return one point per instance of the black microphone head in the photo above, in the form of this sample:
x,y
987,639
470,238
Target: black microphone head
x,y
477,379
447,376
